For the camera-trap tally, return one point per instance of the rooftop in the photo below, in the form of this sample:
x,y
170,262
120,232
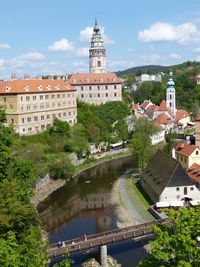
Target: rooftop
x,y
94,78
185,149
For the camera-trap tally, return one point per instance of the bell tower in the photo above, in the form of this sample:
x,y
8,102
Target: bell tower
x,y
171,94
97,52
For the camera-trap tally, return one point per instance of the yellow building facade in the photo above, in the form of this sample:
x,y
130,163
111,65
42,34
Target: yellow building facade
x,y
31,105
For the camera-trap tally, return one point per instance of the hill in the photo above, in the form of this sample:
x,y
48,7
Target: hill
x,y
156,68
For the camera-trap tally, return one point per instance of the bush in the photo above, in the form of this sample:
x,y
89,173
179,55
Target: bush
x,y
61,169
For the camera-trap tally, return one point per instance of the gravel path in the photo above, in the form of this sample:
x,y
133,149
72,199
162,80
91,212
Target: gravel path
x,y
131,208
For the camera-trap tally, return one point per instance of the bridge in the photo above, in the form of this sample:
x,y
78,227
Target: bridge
x,y
102,239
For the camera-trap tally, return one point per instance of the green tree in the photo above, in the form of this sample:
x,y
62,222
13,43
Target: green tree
x,y
170,142
143,130
61,169
176,244
59,127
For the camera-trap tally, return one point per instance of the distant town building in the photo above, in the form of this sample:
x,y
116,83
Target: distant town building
x,y
149,78
198,78
31,105
96,88
97,52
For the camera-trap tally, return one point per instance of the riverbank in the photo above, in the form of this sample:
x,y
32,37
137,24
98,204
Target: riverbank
x,y
45,191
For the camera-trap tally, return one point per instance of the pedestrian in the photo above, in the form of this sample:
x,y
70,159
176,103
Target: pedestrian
x,y
73,244
63,244
85,237
59,244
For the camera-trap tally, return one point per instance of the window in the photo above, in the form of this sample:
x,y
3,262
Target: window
x,y
12,120
170,104
27,98
42,106
35,106
185,160
63,95
74,113
115,94
115,86
46,96
177,189
22,120
42,117
21,98
29,129
106,87
28,107
34,97
185,190
191,188
47,105
59,104
98,95
4,99
29,119
197,152
42,127
48,117
53,105
24,130
81,88
70,121
41,97
106,95
178,196
90,87
69,113
170,97
35,118
82,96
99,63
98,87
54,115
58,95
73,94
59,115
68,95
64,103
64,114
90,95
52,96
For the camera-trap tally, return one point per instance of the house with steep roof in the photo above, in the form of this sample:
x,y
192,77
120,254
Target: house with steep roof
x,y
146,104
163,109
165,122
187,154
182,118
194,173
165,180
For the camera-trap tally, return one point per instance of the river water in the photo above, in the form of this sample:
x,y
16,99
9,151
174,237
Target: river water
x,y
82,206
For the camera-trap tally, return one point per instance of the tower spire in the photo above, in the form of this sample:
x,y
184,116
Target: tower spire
x,y
95,21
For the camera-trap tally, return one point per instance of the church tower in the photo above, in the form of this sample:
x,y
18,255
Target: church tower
x,y
97,55
171,94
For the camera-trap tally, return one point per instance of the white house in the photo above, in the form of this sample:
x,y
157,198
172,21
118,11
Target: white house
x,y
165,180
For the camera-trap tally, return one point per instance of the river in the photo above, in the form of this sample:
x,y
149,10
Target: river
x,y
82,206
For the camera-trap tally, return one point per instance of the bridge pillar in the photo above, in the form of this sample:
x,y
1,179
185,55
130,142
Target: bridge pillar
x,y
103,252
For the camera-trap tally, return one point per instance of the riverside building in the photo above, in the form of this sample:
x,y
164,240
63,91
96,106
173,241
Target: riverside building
x,y
31,105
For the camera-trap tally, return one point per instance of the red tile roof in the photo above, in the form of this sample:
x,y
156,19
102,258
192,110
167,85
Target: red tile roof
x,y
163,107
152,107
163,119
194,172
198,118
145,104
94,78
134,106
185,149
181,113
34,86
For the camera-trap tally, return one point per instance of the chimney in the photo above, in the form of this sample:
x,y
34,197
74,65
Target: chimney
x,y
173,153
13,76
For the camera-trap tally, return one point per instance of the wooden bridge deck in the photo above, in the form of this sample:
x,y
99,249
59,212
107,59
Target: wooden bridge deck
x,y
100,239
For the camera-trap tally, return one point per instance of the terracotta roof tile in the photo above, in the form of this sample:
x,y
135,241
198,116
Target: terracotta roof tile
x,y
163,119
198,118
185,149
181,113
194,172
163,107
153,107
145,104
34,86
134,106
94,78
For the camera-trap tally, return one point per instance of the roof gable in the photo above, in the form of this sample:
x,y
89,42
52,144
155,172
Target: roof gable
x,y
185,149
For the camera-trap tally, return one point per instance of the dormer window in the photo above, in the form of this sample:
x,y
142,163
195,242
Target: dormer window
x,y
57,87
114,79
74,80
101,80
87,80
8,88
40,87
26,88
48,87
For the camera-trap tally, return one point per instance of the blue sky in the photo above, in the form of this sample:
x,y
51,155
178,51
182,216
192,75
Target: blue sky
x,y
52,37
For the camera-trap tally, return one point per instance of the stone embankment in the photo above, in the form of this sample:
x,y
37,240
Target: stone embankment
x,y
93,263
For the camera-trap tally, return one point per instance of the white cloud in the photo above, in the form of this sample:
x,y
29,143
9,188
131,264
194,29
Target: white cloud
x,y
82,52
86,35
197,49
154,58
79,64
159,32
197,59
32,55
1,62
62,45
4,46
174,56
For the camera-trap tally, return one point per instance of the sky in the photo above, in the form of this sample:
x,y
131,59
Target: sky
x,y
40,37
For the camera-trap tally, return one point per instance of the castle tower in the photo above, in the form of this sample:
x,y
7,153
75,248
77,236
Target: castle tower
x,y
171,94
97,52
